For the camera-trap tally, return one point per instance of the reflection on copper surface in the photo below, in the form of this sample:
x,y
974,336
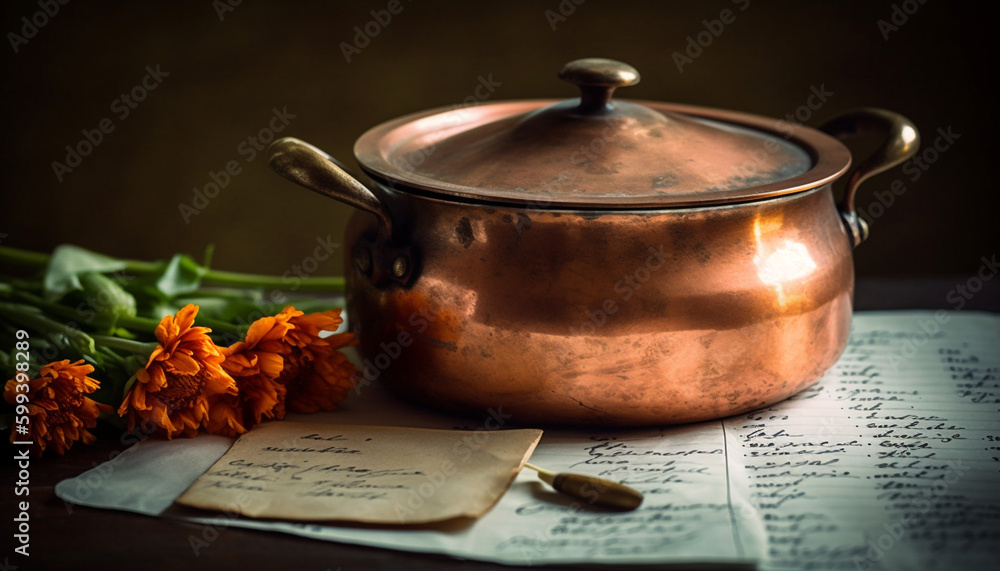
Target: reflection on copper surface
x,y
495,312
781,261
790,261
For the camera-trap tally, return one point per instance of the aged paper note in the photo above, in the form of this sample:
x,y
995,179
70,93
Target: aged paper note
x,y
373,474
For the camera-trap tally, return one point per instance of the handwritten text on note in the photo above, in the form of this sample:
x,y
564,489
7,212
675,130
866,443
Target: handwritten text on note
x,y
373,474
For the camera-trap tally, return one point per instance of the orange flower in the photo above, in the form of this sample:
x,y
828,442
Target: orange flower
x,y
59,413
182,381
316,375
224,416
255,364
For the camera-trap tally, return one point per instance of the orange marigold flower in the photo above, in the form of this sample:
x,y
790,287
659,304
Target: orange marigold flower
x,y
224,416
59,413
316,374
255,364
181,381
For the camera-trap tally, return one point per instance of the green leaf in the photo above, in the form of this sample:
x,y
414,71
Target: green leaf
x,y
66,336
181,275
68,263
124,333
96,360
207,257
129,384
161,309
107,298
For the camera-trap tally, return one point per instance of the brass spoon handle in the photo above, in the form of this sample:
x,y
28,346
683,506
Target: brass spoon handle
x,y
596,491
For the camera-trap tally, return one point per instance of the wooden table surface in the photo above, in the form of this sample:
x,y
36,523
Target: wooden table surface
x,y
67,536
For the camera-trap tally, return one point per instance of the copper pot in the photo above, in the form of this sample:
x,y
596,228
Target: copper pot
x,y
600,262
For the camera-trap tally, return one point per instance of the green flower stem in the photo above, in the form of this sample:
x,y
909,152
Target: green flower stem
x,y
228,293
329,284
119,344
20,257
107,353
32,318
209,277
141,324
8,283
136,323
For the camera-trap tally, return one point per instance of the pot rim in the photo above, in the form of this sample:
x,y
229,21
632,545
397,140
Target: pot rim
x,y
590,211
375,148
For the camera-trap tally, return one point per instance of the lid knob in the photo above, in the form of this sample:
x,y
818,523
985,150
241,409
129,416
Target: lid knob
x,y
597,79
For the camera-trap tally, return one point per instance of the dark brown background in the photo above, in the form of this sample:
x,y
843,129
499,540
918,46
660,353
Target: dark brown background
x,y
226,76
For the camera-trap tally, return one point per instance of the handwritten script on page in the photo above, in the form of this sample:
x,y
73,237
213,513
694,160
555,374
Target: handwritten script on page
x,y
373,474
891,461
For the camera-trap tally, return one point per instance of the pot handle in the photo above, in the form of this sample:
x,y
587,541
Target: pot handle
x,y
310,167
901,141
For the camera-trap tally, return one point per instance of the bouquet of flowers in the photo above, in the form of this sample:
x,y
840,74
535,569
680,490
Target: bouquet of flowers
x,y
170,348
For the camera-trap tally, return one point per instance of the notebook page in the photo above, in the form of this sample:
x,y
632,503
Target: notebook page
x,y
688,511
891,461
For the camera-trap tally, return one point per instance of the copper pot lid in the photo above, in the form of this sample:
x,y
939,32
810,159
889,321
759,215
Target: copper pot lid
x,y
595,152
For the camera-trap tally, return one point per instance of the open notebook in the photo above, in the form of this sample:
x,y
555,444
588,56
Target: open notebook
x,y
889,462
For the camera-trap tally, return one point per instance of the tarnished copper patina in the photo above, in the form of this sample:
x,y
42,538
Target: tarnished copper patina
x,y
600,262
